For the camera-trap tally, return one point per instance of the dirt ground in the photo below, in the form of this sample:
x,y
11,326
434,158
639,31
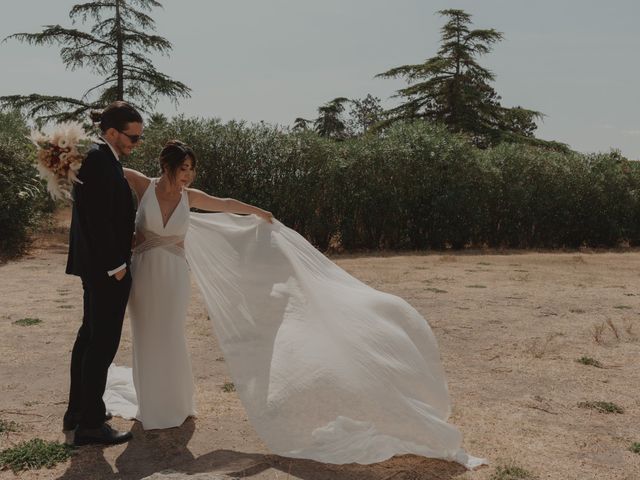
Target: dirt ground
x,y
510,325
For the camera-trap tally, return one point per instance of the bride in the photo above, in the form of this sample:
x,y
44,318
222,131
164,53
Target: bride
x,y
326,367
159,294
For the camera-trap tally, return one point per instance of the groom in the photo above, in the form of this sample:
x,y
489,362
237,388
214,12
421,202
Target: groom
x,y
102,225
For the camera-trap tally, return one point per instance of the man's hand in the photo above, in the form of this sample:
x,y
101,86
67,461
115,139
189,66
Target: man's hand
x,y
120,275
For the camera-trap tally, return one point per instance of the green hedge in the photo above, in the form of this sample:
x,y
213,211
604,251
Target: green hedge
x,y
416,186
23,199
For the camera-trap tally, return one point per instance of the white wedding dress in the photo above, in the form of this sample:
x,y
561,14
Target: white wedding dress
x,y
161,373
326,367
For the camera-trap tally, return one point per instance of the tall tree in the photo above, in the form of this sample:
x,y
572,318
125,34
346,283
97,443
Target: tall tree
x,y
453,88
301,124
117,47
330,122
364,114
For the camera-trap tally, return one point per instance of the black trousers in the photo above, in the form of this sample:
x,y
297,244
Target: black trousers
x,y
105,301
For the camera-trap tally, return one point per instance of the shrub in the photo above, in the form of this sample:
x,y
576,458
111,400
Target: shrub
x,y
22,196
414,186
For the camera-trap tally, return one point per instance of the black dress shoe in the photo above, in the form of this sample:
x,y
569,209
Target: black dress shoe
x,y
70,422
103,435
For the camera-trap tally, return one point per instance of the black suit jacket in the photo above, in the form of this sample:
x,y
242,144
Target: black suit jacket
x,y
102,221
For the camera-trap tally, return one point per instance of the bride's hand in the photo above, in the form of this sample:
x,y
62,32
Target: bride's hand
x,y
267,216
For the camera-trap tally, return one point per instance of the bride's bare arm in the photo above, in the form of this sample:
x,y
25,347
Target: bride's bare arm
x,y
203,201
137,181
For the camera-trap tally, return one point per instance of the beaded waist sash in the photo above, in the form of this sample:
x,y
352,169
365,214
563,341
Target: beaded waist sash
x,y
170,243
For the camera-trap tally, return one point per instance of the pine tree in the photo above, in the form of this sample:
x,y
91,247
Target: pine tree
x,y
301,124
329,122
332,122
453,88
117,48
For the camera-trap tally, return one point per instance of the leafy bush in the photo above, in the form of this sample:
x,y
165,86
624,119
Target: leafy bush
x,y
551,199
259,164
535,196
418,186
22,195
414,186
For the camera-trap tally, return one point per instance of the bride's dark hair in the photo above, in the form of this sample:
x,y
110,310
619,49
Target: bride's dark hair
x,y
117,115
173,155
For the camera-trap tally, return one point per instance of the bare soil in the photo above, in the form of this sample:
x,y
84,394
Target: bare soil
x,y
511,326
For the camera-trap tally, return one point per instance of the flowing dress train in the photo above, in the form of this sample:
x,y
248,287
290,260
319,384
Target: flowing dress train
x,y
326,367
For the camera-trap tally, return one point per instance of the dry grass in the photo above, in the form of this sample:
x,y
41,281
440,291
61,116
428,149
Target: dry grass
x,y
598,332
540,347
613,328
629,327
27,322
603,407
7,426
513,379
589,361
512,472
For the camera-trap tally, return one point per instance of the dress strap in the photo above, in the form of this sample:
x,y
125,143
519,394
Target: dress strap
x,y
146,191
185,198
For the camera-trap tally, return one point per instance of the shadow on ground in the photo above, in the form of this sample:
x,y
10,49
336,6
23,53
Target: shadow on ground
x,y
166,450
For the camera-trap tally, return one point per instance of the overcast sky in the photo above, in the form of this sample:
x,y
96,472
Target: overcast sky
x,y
274,60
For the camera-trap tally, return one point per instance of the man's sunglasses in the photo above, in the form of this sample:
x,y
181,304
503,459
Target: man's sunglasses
x,y
133,138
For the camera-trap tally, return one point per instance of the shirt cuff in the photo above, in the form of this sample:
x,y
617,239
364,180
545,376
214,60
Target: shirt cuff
x,y
111,273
